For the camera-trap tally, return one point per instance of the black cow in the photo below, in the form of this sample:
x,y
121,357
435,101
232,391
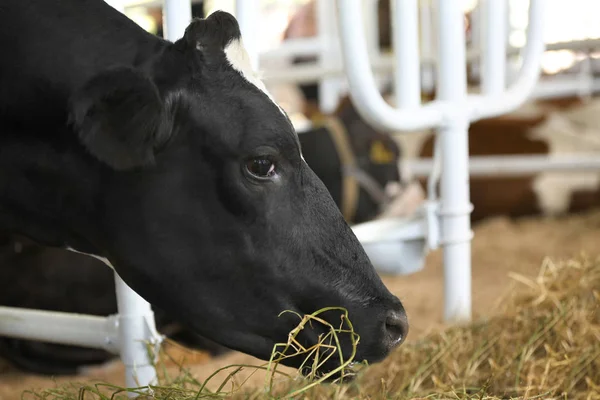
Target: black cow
x,y
172,162
80,284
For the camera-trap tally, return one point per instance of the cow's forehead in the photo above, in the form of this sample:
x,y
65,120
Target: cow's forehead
x,y
237,56
277,125
219,38
265,124
239,114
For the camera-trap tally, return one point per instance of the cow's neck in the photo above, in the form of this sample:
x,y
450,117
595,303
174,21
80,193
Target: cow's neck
x,y
47,191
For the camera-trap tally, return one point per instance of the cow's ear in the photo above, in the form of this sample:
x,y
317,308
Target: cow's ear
x,y
212,33
120,118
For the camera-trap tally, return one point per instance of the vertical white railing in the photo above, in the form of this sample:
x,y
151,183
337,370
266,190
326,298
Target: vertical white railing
x,y
451,114
327,34
407,71
494,14
137,331
455,207
427,43
371,17
246,13
177,15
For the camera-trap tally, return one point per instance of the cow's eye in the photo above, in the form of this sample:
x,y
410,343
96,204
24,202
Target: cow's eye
x,y
261,167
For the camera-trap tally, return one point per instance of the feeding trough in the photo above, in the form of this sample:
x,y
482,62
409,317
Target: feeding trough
x,y
397,245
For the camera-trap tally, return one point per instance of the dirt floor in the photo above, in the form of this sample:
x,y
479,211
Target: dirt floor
x,y
500,246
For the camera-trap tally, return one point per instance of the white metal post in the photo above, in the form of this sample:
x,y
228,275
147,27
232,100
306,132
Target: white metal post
x,y
405,33
427,44
371,11
137,331
177,15
493,56
455,205
517,165
451,114
327,34
246,13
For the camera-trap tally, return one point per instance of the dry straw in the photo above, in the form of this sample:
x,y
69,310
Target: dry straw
x,y
543,343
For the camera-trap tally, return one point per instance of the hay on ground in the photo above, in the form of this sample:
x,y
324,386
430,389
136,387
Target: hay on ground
x,y
545,343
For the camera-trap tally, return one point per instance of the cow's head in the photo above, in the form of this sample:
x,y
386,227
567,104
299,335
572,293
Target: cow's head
x,y
208,209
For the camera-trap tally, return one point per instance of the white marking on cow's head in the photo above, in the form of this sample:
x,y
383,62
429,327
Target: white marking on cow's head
x,y
238,57
220,31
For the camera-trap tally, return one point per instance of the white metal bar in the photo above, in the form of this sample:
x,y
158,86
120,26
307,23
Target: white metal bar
x,y
177,15
514,166
490,106
493,60
562,86
327,34
455,206
60,327
386,62
309,73
405,34
137,330
314,72
371,10
546,87
289,48
380,115
246,13
427,43
363,89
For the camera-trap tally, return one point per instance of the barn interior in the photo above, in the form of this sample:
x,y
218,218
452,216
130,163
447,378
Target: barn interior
x,y
533,182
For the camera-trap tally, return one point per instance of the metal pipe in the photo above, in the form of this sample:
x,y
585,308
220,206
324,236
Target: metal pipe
x,y
363,89
375,111
290,48
177,15
309,73
427,43
327,34
405,35
493,60
246,13
515,166
490,106
136,323
314,72
371,11
557,87
455,205
548,87
60,327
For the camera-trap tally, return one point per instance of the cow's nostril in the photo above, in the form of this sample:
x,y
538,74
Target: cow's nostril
x,y
396,326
